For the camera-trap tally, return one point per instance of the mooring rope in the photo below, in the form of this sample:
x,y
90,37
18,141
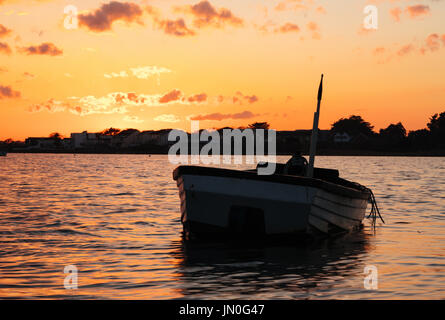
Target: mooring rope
x,y
374,208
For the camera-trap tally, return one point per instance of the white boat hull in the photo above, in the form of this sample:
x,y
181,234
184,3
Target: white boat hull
x,y
213,201
213,205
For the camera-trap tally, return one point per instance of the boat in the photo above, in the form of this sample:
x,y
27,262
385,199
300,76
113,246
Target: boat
x,y
3,153
297,200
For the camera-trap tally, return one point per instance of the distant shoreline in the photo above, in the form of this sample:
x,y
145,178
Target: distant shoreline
x,y
345,153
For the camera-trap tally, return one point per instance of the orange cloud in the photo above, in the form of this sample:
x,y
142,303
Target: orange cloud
x,y
379,50
7,92
202,97
395,13
290,4
417,10
43,49
288,27
432,43
173,95
103,18
315,29
405,50
4,48
320,9
239,98
219,116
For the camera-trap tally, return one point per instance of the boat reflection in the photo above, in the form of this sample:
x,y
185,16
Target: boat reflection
x,y
232,271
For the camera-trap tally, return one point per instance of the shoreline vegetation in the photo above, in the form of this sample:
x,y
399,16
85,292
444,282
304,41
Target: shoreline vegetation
x,y
351,136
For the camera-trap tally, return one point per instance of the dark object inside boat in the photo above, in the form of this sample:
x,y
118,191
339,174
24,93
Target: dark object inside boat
x,y
300,170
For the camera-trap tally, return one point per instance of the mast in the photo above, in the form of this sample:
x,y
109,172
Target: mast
x,y
314,136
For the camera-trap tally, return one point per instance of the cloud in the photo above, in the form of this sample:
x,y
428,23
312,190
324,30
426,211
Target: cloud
x,y
292,5
287,27
315,29
122,74
167,118
239,98
395,13
219,116
205,15
43,49
139,72
51,105
116,102
5,48
405,50
133,119
4,32
148,71
175,28
417,10
172,96
202,97
28,75
320,9
103,18
379,50
432,43
413,11
8,92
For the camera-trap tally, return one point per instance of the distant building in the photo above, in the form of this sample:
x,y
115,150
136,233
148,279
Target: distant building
x,y
158,138
40,143
84,140
125,139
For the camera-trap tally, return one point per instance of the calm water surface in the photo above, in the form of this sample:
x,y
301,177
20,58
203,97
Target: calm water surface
x,y
116,218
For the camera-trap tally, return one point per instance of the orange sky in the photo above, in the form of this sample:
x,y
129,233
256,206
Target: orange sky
x,y
156,64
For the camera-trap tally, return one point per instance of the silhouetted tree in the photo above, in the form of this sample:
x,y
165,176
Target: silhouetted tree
x,y
57,137
353,126
419,139
110,132
437,128
128,131
259,125
394,134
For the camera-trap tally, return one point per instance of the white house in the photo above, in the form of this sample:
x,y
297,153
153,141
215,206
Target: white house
x,y
84,139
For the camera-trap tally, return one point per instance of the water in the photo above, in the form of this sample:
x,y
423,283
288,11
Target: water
x,y
116,218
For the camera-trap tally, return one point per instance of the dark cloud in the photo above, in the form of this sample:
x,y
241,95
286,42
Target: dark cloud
x,y
46,48
175,27
4,32
103,18
205,14
4,48
173,95
219,116
7,92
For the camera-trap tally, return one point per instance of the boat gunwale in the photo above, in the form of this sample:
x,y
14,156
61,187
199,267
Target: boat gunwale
x,y
360,193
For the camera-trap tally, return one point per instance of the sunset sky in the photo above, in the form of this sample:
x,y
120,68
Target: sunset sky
x,y
157,64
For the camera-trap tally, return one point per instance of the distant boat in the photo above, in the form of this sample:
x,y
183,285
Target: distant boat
x,y
3,153
297,199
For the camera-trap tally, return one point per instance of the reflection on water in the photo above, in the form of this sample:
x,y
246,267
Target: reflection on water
x,y
116,218
282,271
